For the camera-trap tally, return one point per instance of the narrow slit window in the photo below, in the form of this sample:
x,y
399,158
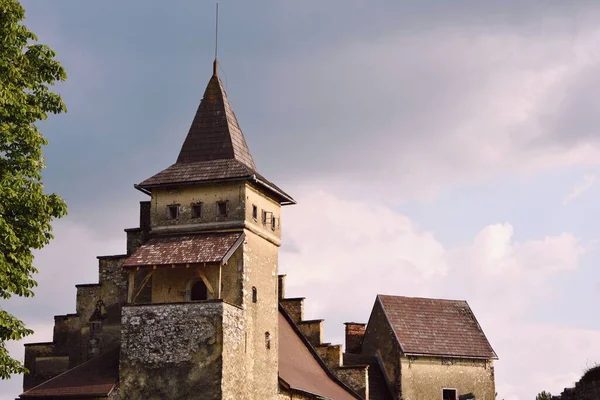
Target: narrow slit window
x,y
254,212
173,211
222,208
273,223
254,294
267,340
197,210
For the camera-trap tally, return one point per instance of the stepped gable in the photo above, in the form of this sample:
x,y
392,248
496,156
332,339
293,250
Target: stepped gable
x,y
301,369
436,327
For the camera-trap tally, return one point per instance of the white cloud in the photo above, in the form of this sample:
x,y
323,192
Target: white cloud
x,y
580,188
441,107
349,251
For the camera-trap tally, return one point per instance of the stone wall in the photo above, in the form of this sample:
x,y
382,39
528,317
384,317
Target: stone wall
x,y
176,350
588,387
379,340
71,337
425,377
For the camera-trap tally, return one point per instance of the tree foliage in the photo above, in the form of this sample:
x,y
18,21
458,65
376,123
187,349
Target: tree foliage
x,y
543,396
27,70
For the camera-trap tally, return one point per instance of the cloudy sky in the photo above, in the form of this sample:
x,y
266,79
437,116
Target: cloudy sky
x,y
440,149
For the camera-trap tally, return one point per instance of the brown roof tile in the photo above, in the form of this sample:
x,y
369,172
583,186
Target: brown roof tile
x,y
199,171
215,133
94,378
436,327
185,249
299,368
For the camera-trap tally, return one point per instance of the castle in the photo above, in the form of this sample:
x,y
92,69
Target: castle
x,y
196,309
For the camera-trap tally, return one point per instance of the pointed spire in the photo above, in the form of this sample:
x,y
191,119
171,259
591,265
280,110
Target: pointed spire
x,y
215,133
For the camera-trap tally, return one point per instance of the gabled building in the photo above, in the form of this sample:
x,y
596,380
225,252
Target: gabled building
x,y
196,309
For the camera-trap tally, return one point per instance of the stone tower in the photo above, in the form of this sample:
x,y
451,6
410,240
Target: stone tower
x,y
201,315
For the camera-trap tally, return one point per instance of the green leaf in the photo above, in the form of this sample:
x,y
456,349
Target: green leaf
x,y
27,71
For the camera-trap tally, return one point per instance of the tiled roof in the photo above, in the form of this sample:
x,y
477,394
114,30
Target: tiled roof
x,y
378,387
185,249
215,133
199,171
299,368
94,378
436,327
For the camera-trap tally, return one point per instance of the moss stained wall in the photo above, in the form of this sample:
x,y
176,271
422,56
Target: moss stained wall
x,y
173,351
423,378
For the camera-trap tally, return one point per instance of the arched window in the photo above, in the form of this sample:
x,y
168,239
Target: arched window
x,y
198,291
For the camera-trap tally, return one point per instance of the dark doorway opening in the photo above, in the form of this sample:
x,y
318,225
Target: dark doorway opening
x,y
448,394
199,291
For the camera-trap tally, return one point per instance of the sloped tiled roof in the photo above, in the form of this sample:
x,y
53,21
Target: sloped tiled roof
x,y
214,149
200,171
300,369
94,378
185,249
215,133
436,327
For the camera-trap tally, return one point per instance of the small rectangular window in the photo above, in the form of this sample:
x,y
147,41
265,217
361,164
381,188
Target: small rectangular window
x,y
273,223
254,212
197,210
449,394
264,217
222,208
173,211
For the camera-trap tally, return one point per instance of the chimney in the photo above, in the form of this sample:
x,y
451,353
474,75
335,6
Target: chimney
x,y
354,336
281,286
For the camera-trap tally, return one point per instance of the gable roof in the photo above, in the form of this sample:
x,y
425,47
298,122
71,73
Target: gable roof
x,y
436,327
301,369
94,378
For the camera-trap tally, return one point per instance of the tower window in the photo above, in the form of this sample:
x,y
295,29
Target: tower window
x,y
254,212
273,223
197,210
254,294
222,208
198,291
173,211
264,217
267,340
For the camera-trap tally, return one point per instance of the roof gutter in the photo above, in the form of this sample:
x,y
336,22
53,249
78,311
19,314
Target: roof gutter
x,y
288,199
141,189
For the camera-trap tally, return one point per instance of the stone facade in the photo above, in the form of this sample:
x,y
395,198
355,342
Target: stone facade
x,y
425,377
177,350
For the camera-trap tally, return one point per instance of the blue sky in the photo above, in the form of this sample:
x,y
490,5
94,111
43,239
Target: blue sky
x,y
443,149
